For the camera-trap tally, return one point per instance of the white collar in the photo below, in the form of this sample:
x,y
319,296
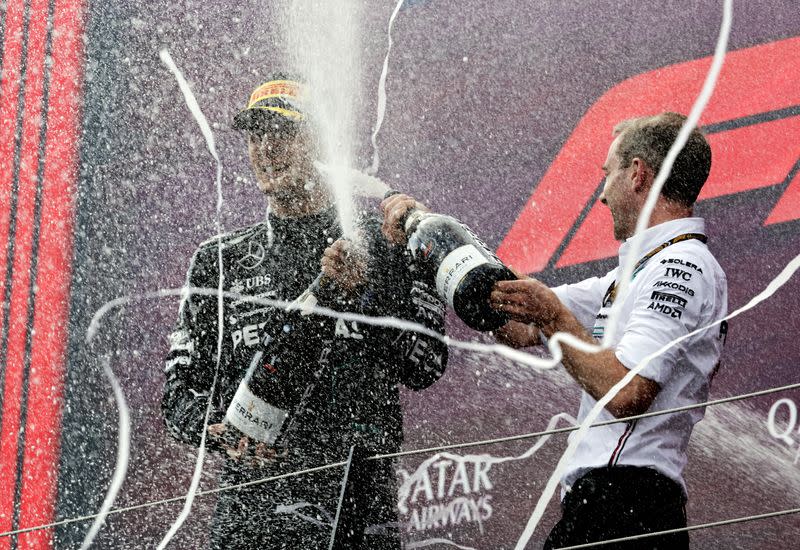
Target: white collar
x,y
651,237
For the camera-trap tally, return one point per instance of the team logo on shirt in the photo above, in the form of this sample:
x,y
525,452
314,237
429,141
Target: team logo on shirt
x,y
250,335
254,257
669,298
667,304
675,273
237,287
669,311
258,280
674,286
682,262
342,330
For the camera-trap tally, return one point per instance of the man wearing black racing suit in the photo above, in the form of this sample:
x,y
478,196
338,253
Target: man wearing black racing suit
x,y
339,378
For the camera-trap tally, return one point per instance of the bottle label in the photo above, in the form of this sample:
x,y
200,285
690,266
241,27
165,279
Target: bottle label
x,y
492,256
254,417
454,268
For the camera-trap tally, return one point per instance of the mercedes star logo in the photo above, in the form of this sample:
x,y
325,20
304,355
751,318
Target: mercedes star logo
x,y
255,255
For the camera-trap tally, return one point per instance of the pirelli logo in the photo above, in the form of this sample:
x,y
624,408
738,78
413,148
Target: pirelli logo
x,y
669,298
286,89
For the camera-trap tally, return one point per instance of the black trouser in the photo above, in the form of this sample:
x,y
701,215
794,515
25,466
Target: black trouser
x,y
297,513
609,503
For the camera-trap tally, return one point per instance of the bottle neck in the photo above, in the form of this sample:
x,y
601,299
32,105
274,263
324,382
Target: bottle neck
x,y
412,220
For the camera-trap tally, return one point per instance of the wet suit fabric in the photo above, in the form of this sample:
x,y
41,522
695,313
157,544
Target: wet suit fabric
x,y
342,378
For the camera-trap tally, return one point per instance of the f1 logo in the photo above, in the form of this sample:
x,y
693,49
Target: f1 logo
x,y
752,123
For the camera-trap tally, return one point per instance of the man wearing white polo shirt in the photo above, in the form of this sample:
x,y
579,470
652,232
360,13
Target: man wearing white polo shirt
x,y
626,478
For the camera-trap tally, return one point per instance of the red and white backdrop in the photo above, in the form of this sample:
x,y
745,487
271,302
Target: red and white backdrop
x,y
499,114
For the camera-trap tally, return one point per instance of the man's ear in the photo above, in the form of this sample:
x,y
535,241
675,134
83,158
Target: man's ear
x,y
642,175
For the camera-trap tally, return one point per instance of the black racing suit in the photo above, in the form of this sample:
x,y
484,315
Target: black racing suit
x,y
343,376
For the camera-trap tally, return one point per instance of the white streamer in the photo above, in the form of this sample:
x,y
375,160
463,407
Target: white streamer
x,y
431,542
226,488
623,281
771,288
205,128
405,487
382,94
733,521
123,455
627,270
191,102
519,356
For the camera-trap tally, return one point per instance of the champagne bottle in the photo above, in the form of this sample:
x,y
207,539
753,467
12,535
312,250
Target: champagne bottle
x,y
265,400
462,268
322,291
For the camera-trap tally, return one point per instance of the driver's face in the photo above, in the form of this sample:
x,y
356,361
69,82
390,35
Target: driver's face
x,y
282,162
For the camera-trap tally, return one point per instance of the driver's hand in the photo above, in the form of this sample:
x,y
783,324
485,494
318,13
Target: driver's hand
x,y
241,448
346,263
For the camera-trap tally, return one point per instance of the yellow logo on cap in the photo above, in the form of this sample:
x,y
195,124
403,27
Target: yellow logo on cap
x,y
284,89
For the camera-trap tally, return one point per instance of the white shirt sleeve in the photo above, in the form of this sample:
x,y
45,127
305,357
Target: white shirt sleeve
x,y
584,298
668,304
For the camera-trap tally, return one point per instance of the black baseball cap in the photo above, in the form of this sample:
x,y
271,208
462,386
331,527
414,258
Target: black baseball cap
x,y
274,105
